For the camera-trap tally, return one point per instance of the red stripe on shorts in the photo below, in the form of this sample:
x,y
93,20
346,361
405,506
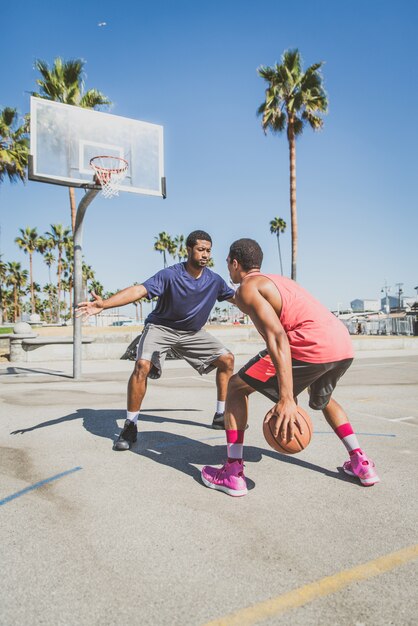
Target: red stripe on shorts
x,y
262,370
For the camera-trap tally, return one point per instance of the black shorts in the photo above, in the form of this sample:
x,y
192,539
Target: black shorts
x,y
319,378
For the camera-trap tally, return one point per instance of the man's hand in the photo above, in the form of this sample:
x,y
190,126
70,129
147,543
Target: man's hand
x,y
85,309
285,418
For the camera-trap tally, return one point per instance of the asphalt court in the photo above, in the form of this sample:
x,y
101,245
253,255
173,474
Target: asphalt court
x,y
91,536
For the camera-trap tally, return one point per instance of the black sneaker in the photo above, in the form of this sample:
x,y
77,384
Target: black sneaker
x,y
127,437
219,421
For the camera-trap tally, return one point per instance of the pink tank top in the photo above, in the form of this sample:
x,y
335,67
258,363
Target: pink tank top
x,y
315,335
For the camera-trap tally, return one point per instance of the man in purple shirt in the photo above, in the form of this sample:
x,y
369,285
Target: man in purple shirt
x,y
186,293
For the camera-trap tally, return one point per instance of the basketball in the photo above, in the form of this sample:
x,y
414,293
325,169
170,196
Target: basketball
x,y
300,440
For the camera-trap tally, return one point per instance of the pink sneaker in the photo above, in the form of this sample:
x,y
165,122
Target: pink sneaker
x,y
229,478
361,466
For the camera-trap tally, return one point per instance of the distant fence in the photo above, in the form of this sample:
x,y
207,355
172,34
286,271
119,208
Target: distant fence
x,y
387,326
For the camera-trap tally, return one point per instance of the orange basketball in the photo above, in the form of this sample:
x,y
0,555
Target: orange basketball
x,y
299,441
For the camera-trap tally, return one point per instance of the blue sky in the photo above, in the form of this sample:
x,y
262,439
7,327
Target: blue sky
x,y
191,66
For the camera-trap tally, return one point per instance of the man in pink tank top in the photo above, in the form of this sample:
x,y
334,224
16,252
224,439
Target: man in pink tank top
x,y
307,348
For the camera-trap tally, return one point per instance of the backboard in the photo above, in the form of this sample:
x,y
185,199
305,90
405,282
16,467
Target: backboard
x,y
63,139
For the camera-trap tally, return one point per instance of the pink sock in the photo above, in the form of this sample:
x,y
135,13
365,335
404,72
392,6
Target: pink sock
x,y
235,445
347,436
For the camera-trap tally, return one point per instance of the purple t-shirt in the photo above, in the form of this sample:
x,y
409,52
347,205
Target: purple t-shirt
x,y
184,302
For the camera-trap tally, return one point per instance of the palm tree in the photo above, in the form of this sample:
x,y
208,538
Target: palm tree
x,y
51,291
36,290
49,260
164,244
87,274
69,268
65,286
59,237
64,82
7,297
3,274
278,226
181,250
17,278
29,242
97,287
14,146
293,98
41,307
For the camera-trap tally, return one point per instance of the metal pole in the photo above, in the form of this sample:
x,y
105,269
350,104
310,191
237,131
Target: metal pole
x,y
78,278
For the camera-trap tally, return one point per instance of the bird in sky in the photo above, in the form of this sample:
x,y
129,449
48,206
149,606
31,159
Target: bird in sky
x,y
102,24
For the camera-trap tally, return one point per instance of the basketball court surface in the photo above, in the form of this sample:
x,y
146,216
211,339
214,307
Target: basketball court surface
x,y
92,536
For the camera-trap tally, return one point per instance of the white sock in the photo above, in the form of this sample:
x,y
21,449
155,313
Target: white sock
x,y
220,406
132,416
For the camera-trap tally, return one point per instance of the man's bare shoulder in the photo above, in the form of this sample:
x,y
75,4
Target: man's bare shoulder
x,y
256,288
250,287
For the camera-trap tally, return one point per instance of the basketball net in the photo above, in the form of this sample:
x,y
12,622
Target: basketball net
x,y
110,172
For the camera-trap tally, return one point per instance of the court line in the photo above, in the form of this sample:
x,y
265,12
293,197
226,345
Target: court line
x,y
318,589
377,417
200,379
37,485
380,364
401,419
326,432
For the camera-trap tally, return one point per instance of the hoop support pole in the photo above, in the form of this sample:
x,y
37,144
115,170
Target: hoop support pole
x,y
78,278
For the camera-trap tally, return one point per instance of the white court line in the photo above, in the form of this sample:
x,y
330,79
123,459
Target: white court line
x,y
381,364
401,419
380,417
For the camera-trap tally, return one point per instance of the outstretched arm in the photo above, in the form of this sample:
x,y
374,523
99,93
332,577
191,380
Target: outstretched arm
x,y
284,414
98,304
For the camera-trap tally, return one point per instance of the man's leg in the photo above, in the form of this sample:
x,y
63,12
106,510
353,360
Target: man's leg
x,y
224,370
230,477
137,387
236,413
359,464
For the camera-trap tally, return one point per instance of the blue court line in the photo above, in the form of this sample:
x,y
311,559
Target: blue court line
x,y
36,485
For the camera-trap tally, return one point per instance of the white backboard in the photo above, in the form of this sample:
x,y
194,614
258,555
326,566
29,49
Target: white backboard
x,y
63,139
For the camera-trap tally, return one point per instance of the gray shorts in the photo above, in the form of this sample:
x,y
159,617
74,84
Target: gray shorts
x,y
198,348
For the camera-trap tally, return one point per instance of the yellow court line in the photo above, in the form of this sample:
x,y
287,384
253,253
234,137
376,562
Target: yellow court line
x,y
318,589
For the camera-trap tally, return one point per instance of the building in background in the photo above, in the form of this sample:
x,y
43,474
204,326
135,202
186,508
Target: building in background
x,y
362,306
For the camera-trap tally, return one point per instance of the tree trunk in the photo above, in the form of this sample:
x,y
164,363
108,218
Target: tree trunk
x,y
59,287
15,303
293,215
73,207
280,253
32,293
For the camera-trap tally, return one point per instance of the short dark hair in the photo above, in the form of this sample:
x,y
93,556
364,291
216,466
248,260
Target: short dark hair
x,y
248,254
195,235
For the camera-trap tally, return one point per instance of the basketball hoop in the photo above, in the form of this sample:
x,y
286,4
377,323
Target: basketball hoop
x,y
110,172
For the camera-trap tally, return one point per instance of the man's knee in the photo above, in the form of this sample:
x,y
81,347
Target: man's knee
x,y
142,369
237,387
319,403
226,362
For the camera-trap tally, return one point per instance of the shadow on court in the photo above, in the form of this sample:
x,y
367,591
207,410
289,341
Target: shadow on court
x,y
173,450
